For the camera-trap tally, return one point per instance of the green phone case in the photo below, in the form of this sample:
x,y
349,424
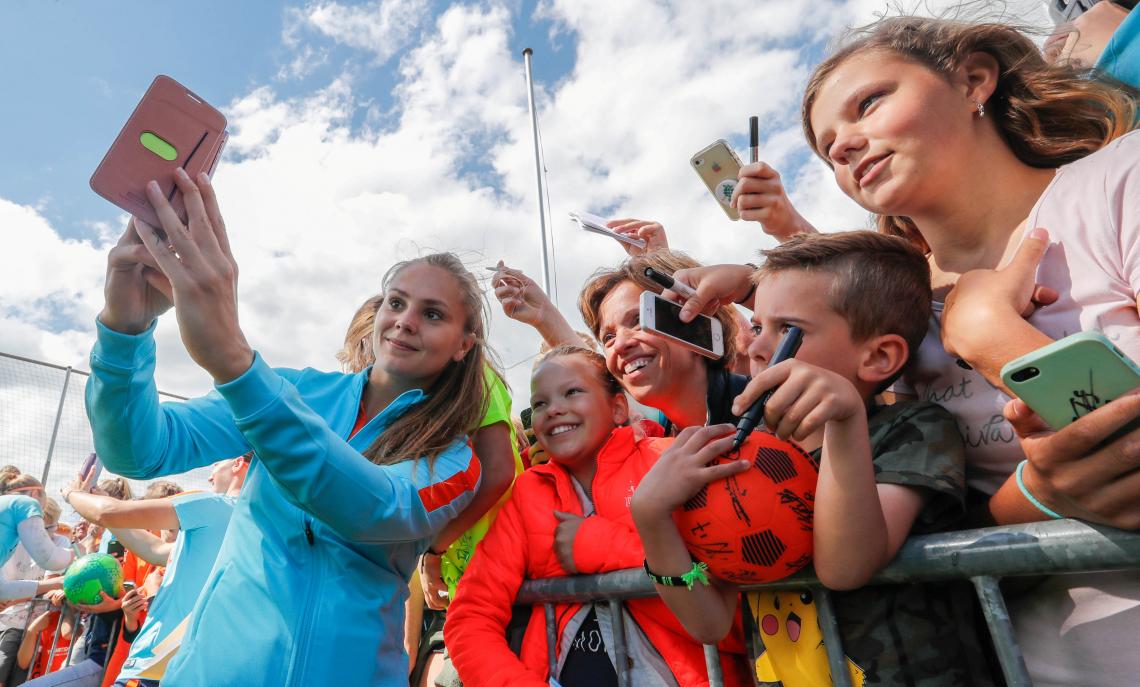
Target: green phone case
x,y
1072,377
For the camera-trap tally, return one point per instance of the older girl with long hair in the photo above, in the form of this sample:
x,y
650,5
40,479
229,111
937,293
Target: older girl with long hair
x,y
1021,182
354,474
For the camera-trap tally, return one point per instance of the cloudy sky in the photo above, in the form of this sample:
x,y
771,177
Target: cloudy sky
x,y
366,132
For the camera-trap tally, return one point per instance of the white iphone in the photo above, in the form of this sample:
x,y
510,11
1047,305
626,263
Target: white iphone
x,y
703,335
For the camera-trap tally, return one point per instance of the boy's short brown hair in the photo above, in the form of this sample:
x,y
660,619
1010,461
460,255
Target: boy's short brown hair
x,y
605,280
881,286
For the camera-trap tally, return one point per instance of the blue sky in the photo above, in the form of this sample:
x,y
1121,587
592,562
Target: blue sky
x,y
367,132
87,63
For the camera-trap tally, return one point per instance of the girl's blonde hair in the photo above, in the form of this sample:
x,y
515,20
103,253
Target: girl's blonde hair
x,y
1048,114
52,511
457,402
357,353
118,488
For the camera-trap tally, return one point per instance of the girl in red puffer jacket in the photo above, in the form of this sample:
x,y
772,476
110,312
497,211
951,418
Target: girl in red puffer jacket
x,y
571,516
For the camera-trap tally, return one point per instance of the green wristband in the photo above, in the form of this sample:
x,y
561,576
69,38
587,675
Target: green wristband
x,y
698,573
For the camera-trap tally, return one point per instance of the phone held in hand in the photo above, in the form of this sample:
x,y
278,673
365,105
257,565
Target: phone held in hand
x,y
92,469
719,167
597,225
703,335
1071,377
171,127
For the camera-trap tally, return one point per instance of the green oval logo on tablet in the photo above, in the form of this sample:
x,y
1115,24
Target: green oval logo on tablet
x,y
158,146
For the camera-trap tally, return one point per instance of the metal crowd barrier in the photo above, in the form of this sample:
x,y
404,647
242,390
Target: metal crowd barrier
x,y
983,556
79,621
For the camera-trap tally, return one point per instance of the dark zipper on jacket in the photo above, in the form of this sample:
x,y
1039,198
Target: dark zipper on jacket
x,y
309,531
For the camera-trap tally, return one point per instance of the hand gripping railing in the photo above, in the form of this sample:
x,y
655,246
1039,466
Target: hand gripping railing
x,y
982,556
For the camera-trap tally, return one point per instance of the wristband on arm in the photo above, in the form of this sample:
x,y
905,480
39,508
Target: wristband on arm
x,y
696,574
1030,497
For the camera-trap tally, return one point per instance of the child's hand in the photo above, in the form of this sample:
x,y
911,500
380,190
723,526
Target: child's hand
x,y
808,397
564,535
109,603
760,197
983,302
56,597
431,579
134,603
683,469
651,232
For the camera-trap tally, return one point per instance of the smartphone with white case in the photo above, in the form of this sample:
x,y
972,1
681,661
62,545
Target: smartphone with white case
x,y
703,335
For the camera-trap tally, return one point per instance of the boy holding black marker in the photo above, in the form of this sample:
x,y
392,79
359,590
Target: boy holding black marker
x,y
885,471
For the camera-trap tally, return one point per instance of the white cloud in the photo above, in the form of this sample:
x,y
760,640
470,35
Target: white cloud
x,y
381,28
317,209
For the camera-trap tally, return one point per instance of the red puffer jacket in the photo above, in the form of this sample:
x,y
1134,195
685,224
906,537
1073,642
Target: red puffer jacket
x,y
520,546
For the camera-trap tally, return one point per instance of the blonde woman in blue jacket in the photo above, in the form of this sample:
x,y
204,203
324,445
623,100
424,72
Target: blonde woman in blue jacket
x,y
353,476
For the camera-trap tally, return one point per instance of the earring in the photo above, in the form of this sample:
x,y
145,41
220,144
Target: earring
x,y
981,108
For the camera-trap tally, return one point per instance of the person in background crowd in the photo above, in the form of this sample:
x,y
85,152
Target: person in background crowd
x,y
160,489
22,522
200,520
16,616
1102,35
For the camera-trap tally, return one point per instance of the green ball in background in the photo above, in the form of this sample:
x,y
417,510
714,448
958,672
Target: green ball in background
x,y
91,574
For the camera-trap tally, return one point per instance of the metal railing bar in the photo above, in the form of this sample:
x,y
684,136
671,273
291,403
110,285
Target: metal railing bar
x,y
75,624
55,426
832,642
1001,632
551,641
1053,547
712,663
621,651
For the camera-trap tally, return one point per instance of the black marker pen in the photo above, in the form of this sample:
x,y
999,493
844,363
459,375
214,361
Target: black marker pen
x,y
669,282
751,417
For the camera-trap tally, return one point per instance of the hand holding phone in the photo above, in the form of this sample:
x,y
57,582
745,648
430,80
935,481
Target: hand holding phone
x,y
719,168
171,127
704,335
91,471
1071,377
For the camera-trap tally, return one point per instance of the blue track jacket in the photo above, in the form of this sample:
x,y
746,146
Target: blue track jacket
x,y
310,582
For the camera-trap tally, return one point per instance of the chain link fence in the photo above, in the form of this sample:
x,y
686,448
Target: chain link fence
x,y
44,429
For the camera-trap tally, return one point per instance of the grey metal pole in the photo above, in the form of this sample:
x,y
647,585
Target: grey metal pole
x,y
832,642
74,632
712,664
55,427
546,283
1001,631
621,652
111,644
551,640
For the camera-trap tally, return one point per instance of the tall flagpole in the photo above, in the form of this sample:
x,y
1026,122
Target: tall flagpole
x,y
546,283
